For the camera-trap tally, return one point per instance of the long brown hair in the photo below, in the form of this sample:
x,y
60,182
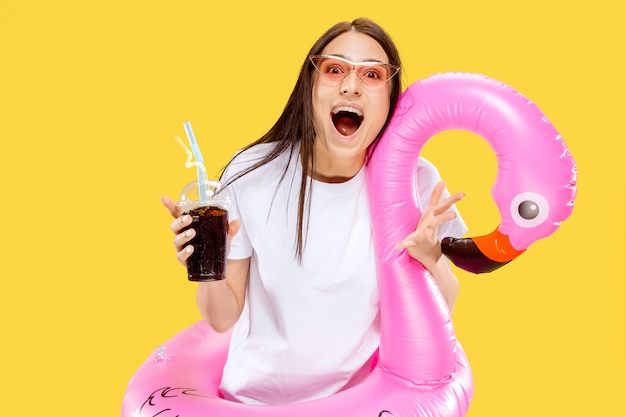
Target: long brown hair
x,y
295,124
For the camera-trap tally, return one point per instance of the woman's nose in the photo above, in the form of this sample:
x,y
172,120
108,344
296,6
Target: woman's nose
x,y
351,84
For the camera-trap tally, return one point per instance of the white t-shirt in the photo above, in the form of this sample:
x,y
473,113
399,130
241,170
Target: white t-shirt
x,y
308,329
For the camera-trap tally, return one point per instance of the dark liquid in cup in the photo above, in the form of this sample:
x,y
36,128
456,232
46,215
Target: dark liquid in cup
x,y
208,260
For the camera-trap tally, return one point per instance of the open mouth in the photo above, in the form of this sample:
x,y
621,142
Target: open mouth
x,y
347,120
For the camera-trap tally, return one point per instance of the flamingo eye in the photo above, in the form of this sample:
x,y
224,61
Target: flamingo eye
x,y
529,209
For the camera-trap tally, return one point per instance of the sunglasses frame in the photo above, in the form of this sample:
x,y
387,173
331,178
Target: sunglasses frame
x,y
366,81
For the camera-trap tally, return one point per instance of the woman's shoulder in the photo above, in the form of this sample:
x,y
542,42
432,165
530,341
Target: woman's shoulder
x,y
426,172
249,157
424,164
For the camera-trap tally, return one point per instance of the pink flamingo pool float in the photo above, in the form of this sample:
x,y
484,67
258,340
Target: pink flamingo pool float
x,y
422,370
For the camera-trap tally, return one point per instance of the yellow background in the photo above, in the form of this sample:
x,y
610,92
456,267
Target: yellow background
x,y
93,92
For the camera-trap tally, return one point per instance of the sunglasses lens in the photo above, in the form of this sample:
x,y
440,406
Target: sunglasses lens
x,y
335,69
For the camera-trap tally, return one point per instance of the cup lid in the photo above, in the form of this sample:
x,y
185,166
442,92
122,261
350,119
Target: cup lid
x,y
216,192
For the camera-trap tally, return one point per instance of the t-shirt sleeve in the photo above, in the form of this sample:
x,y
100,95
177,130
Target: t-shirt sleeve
x,y
427,176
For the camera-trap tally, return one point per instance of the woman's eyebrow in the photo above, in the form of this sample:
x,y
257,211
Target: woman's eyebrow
x,y
365,60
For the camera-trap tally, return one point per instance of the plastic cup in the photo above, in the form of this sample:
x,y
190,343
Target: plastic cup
x,y
210,221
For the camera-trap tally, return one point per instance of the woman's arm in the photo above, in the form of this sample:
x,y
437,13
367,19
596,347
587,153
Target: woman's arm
x,y
220,302
424,246
446,281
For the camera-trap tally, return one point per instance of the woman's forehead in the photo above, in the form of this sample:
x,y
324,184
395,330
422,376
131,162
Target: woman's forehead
x,y
357,47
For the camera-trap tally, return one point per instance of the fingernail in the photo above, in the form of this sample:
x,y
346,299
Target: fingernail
x,y
183,219
188,233
188,249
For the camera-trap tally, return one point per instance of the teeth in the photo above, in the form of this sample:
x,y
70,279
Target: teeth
x,y
349,109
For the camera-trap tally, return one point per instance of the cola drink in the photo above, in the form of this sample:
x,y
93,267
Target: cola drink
x,y
208,260
209,213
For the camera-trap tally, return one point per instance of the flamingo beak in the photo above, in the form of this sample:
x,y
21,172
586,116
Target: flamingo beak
x,y
480,254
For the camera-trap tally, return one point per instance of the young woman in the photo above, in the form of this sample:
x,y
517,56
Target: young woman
x,y
301,289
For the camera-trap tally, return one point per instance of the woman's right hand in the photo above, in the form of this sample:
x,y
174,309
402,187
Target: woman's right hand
x,y
183,251
181,221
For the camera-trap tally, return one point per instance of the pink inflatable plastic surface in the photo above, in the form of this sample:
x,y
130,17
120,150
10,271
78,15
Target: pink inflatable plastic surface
x,y
422,370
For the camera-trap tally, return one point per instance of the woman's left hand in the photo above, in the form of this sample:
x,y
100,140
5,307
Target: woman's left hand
x,y
423,244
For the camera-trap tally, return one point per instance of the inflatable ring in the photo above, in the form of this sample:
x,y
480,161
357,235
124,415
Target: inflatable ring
x,y
421,370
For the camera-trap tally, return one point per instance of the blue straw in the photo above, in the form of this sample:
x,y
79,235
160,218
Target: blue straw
x,y
195,149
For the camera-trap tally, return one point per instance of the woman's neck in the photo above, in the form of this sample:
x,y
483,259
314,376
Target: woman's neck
x,y
334,170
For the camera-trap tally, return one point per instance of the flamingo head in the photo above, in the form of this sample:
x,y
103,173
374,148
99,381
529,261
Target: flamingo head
x,y
534,194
